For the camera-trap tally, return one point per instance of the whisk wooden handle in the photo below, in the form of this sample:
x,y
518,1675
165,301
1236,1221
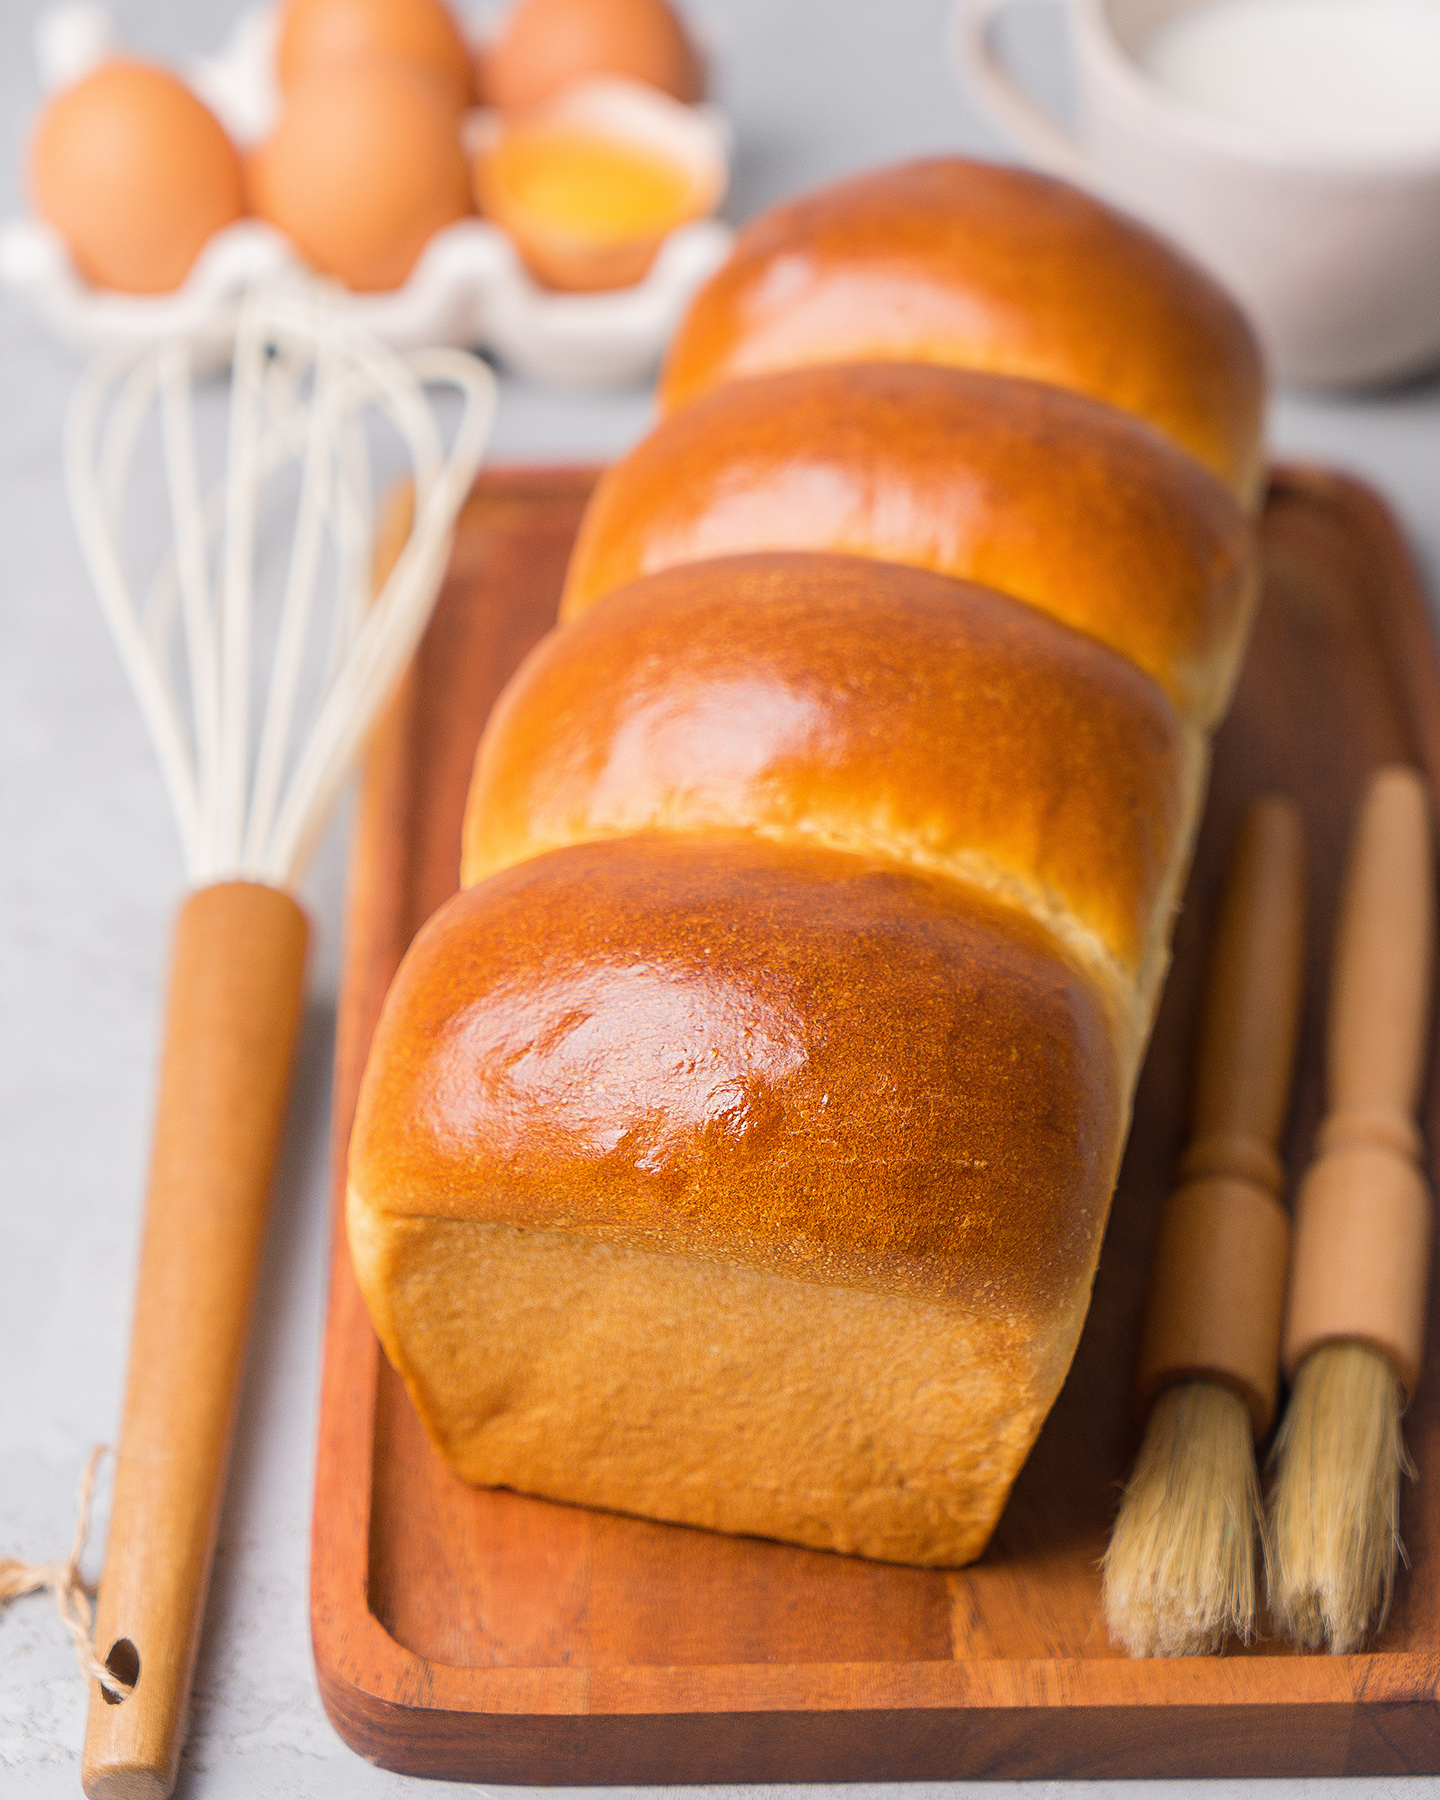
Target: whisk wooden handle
x,y
1361,1263
231,1025
1217,1281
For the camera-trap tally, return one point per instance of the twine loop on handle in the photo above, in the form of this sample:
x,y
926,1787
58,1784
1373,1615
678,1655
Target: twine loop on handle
x,y
72,1592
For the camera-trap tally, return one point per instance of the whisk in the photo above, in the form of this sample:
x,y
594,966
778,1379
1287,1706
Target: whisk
x,y
251,782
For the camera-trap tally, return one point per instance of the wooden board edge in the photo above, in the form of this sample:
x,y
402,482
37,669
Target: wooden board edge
x,y
1408,622
911,1744
350,1364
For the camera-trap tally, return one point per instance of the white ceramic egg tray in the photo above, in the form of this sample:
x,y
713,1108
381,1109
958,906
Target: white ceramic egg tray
x,y
468,288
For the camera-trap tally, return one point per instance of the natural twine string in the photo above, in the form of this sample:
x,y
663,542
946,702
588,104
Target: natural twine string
x,y
72,1593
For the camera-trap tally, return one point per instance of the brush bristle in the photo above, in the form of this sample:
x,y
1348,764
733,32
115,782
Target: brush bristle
x,y
1334,1526
1180,1571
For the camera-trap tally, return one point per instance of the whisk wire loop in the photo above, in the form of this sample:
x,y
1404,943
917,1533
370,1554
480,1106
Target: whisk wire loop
x,y
237,587
187,517
303,384
315,505
91,495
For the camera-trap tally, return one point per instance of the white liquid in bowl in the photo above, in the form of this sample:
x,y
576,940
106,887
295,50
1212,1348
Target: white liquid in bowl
x,y
1338,75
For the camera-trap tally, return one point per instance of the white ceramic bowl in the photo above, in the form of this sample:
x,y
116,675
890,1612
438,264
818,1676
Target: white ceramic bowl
x,y
1336,257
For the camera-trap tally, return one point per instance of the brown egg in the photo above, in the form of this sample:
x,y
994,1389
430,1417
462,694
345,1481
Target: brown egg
x,y
136,174
363,168
545,43
316,34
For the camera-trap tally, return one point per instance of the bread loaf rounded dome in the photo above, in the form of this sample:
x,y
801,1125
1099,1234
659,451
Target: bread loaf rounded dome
x,y
704,1041
1044,495
864,706
971,264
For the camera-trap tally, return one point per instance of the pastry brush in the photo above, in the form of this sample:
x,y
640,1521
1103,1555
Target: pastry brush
x,y
1360,1272
1179,1574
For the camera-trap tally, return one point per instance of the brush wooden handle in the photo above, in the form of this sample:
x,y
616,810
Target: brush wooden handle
x,y
1361,1265
1217,1282
231,1025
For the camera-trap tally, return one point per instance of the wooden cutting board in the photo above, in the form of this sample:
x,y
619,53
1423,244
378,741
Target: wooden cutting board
x,y
484,1635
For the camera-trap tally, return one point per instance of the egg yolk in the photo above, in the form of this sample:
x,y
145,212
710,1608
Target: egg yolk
x,y
590,186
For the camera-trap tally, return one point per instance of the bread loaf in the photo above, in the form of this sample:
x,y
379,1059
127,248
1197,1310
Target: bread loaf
x,y
736,1147
1047,496
867,707
984,268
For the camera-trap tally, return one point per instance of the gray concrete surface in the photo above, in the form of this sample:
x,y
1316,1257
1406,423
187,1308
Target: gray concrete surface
x,y
90,872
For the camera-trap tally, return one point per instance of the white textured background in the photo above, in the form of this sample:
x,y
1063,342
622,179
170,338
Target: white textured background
x,y
89,873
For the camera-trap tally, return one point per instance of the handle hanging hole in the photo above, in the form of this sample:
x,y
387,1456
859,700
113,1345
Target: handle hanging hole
x,y
123,1662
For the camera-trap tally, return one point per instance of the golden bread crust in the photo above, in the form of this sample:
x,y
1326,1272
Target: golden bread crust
x,y
737,1148
864,705
784,1059
1048,496
709,1393
979,266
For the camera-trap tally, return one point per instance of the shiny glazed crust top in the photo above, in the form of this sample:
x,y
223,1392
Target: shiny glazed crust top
x,y
832,700
780,1058
984,267
1050,497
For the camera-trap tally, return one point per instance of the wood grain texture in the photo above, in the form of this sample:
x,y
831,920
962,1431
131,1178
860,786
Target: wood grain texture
x,y
489,1636
1217,1273
1364,1212
232,1014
